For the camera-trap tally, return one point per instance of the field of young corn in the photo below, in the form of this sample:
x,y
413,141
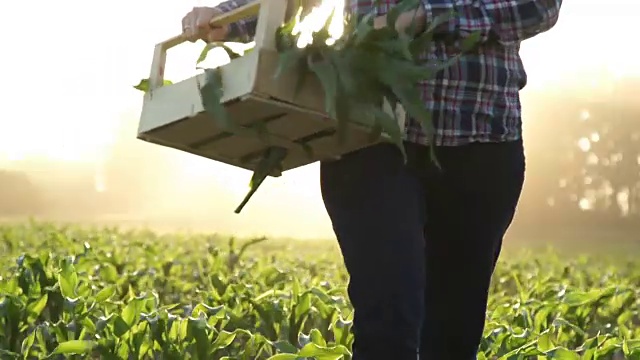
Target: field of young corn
x,y
74,293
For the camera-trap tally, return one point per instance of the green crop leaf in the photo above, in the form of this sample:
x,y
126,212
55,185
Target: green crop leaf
x,y
210,46
308,150
563,354
105,294
393,14
68,279
205,51
317,338
324,353
120,327
288,59
328,76
285,40
143,85
211,92
75,347
412,103
471,41
440,20
293,58
285,357
399,46
389,125
403,6
348,79
419,45
35,308
364,28
131,312
197,328
223,340
276,294
9,354
285,347
270,162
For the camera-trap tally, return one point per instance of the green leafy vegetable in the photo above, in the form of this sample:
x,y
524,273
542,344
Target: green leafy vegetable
x,y
211,92
208,47
175,296
143,85
368,66
270,162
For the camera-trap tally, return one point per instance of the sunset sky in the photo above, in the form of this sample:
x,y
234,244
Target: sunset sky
x,y
68,66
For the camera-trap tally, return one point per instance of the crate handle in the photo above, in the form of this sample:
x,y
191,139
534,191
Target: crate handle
x,y
271,14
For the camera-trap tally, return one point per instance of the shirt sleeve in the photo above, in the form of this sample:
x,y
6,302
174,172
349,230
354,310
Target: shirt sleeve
x,y
506,21
242,28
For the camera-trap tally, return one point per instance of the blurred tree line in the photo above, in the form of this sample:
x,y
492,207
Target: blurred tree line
x,y
18,194
583,159
583,165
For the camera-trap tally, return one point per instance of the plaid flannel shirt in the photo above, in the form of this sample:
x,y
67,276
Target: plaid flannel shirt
x,y
477,98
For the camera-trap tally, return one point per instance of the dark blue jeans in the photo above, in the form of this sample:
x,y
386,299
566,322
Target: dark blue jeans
x,y
420,244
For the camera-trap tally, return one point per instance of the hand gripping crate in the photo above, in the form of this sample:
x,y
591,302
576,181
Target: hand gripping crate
x,y
173,115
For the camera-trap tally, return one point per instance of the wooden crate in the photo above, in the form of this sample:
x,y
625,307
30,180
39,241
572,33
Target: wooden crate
x,y
173,115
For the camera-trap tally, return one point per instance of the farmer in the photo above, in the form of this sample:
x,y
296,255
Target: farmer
x,y
420,244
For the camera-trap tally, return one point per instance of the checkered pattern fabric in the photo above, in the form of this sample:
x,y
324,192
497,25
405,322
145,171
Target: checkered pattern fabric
x,y
477,98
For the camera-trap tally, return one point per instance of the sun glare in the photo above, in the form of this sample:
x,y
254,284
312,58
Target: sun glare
x,y
315,20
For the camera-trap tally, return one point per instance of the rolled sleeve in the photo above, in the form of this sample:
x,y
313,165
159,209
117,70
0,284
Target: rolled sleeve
x,y
243,28
506,21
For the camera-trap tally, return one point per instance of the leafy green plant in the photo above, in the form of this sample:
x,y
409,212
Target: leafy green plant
x,y
143,85
369,66
359,72
76,293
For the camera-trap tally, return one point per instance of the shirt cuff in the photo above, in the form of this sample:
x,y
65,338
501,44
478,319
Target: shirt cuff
x,y
238,29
